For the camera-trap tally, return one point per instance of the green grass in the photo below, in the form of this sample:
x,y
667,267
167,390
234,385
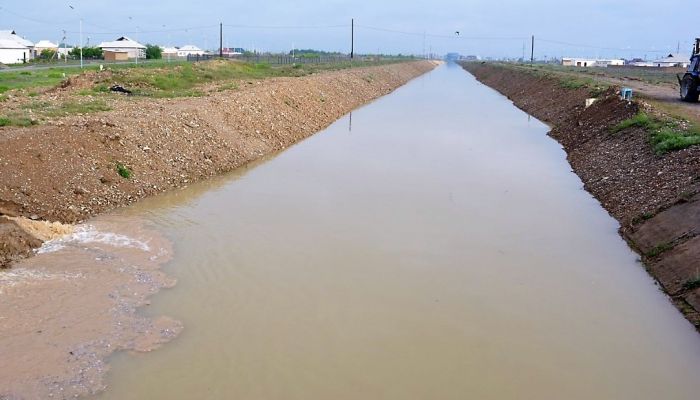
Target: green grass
x,y
659,249
572,83
665,136
669,139
640,120
70,107
36,111
16,119
169,79
124,171
692,284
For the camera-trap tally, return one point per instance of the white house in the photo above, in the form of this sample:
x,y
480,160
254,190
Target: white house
x,y
12,52
169,52
589,62
125,44
672,60
189,50
45,45
14,48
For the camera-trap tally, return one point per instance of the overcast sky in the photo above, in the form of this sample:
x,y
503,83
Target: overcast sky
x,y
605,28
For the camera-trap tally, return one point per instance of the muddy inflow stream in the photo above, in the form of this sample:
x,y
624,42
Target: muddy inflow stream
x,y
432,245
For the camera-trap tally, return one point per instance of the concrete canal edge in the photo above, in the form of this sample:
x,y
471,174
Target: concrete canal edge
x,y
79,166
653,196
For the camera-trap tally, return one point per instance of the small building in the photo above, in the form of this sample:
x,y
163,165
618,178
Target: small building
x,y
590,62
12,52
111,55
189,50
133,48
12,43
672,60
44,45
169,52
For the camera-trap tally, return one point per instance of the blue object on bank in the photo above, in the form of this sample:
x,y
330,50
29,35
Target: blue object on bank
x,y
626,94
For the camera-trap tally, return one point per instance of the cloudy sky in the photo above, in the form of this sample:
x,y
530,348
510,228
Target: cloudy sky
x,y
605,28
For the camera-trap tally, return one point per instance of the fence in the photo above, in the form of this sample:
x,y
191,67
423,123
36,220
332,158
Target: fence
x,y
272,59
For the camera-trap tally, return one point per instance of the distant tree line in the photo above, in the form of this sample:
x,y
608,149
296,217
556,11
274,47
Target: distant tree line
x,y
92,53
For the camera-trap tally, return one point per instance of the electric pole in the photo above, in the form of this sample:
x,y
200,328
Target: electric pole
x,y
532,50
221,40
352,38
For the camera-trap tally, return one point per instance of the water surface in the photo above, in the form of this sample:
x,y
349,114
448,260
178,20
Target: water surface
x,y
434,245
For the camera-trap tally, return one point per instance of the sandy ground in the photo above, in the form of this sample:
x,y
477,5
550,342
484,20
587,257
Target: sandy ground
x,y
654,197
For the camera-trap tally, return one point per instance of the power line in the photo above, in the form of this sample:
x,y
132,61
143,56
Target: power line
x,y
599,47
288,26
374,28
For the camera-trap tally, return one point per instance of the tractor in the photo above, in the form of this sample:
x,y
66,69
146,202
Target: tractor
x,y
690,83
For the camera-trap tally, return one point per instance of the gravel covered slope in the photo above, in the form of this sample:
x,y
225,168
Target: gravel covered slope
x,y
68,170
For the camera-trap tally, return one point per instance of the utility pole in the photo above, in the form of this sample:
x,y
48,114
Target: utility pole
x,y
221,40
532,50
81,43
523,58
423,43
352,38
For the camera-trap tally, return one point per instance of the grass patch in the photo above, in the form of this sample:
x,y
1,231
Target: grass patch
x,y
124,171
665,136
70,107
659,249
692,284
642,217
641,120
669,139
16,119
572,83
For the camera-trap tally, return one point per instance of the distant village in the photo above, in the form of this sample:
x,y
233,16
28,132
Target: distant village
x,y
15,49
669,61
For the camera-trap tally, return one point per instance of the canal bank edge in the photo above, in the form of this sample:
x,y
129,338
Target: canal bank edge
x,y
653,196
79,166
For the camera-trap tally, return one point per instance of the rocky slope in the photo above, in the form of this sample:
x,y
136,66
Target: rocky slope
x,y
78,166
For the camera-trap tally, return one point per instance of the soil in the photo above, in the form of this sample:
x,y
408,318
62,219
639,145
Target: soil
x,y
654,197
79,166
15,243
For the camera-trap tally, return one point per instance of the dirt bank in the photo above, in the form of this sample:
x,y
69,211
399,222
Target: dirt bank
x,y
653,196
79,166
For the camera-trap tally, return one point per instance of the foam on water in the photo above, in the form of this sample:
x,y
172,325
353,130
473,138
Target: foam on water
x,y
88,234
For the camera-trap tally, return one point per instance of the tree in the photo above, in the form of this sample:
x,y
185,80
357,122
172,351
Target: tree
x,y
153,52
47,54
88,52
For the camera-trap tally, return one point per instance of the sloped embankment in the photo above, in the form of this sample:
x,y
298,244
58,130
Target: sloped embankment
x,y
78,166
653,196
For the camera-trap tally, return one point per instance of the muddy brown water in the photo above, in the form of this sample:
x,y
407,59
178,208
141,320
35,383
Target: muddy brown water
x,y
432,245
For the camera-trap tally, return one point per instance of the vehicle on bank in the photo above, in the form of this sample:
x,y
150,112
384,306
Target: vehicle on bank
x,y
690,82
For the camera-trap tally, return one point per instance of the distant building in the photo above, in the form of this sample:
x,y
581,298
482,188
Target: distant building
x,y
124,44
44,45
672,60
189,50
111,55
471,58
169,52
590,62
452,56
15,49
232,51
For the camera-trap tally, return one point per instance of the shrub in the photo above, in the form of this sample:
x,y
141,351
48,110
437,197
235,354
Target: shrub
x,y
153,52
123,171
